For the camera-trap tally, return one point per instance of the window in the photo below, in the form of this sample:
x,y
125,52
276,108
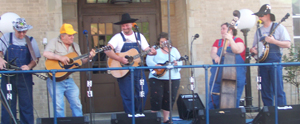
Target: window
x,y
296,22
101,34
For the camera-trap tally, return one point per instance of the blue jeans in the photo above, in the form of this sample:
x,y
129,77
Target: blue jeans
x,y
268,88
69,89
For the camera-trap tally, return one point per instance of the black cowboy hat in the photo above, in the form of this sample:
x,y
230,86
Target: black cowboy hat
x,y
125,19
264,10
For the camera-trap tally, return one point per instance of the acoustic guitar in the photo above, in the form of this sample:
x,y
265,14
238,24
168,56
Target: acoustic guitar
x,y
75,62
161,72
133,57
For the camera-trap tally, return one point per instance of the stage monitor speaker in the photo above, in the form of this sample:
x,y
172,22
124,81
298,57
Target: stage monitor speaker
x,y
289,114
149,118
185,105
223,116
64,120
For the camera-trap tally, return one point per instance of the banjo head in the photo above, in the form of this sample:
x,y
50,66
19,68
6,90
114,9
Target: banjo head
x,y
261,51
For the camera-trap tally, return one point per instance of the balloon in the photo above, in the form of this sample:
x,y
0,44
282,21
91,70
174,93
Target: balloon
x,y
6,22
247,20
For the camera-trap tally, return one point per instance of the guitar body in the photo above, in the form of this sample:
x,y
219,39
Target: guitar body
x,y
55,64
228,91
114,63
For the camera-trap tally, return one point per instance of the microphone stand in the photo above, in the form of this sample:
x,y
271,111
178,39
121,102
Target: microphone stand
x,y
258,78
192,80
142,80
45,43
89,81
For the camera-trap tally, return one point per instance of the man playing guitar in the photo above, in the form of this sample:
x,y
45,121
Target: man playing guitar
x,y
280,39
122,42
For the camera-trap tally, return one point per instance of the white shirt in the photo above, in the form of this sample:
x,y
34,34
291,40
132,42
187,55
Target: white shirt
x,y
117,41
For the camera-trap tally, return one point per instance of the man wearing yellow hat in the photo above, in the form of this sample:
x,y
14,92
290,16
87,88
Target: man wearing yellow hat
x,y
56,49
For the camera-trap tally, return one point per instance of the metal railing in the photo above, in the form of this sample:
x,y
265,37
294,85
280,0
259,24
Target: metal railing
x,y
132,69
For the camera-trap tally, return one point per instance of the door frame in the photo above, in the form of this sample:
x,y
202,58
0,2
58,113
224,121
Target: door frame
x,y
97,9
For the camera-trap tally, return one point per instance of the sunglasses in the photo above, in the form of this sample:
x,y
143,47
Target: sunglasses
x,y
22,32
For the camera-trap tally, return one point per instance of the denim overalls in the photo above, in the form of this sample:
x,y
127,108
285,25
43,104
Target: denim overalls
x,y
21,85
241,77
125,84
267,76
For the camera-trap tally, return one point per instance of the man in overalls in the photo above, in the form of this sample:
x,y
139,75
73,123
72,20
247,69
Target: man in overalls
x,y
235,45
15,47
122,42
280,39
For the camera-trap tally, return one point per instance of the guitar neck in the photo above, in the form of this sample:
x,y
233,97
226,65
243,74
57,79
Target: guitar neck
x,y
273,31
141,54
87,54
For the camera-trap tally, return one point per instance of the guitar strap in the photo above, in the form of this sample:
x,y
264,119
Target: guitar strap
x,y
273,25
29,45
74,49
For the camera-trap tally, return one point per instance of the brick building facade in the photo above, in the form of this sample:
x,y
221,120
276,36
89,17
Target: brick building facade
x,y
188,17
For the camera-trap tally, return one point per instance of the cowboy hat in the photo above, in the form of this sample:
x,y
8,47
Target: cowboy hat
x,y
20,25
125,19
264,10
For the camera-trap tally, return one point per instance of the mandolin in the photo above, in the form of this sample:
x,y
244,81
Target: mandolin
x,y
161,72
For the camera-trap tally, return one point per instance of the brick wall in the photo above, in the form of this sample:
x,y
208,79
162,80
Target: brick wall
x,y
46,18
188,17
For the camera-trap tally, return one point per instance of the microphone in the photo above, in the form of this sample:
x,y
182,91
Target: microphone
x,y
259,22
85,32
196,36
135,25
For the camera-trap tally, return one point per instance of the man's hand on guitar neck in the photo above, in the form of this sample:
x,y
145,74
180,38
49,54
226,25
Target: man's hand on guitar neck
x,y
152,51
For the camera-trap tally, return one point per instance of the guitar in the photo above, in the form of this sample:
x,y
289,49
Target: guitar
x,y
11,67
161,72
75,62
263,46
133,57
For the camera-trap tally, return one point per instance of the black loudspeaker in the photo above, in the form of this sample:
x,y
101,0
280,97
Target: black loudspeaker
x,y
223,116
185,105
289,114
149,118
64,120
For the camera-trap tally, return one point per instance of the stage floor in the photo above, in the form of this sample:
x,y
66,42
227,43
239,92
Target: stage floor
x,y
105,118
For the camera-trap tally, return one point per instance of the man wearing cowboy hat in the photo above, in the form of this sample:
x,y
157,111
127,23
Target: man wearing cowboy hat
x,y
15,47
122,42
56,49
280,39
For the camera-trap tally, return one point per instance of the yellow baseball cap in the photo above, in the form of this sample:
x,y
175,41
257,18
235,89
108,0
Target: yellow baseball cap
x,y
67,29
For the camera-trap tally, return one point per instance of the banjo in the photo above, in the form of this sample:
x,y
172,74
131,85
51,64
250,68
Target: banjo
x,y
263,46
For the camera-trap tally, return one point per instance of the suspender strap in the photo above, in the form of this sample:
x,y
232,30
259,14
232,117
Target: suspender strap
x,y
29,45
10,38
123,36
